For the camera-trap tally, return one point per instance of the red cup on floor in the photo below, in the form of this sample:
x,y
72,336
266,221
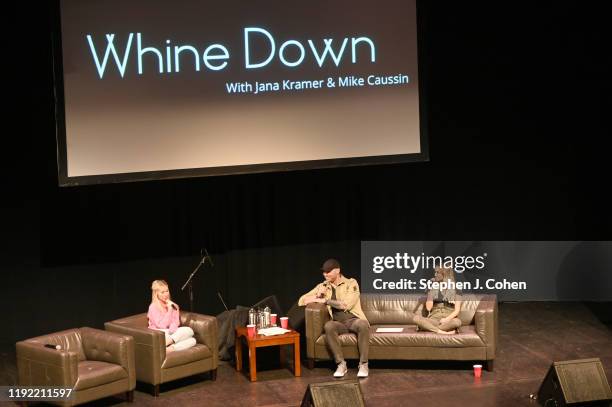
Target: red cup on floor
x,y
284,322
273,319
477,370
251,331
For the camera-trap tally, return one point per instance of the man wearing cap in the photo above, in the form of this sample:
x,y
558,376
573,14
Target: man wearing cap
x,y
341,295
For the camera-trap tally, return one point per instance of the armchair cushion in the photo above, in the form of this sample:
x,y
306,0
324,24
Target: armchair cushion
x,y
94,374
205,330
198,352
104,346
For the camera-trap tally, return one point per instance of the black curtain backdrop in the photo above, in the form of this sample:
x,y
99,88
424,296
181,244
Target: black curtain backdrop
x,y
518,120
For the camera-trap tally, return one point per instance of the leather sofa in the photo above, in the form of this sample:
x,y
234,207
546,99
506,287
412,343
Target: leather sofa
x,y
92,362
153,365
476,339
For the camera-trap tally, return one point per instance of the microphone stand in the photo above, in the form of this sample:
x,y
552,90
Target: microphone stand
x,y
189,282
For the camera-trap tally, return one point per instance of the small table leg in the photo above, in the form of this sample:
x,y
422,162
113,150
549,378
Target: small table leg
x,y
253,362
296,358
238,343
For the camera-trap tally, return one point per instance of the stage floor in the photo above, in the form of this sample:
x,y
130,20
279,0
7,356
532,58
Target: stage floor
x,y
532,335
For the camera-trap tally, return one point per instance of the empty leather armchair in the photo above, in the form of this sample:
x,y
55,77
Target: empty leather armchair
x,y
92,362
153,365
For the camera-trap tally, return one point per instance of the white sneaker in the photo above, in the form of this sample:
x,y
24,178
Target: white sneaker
x,y
341,370
363,370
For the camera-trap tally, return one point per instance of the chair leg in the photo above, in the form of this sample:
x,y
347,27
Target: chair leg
x,y
490,365
213,375
156,390
310,363
129,396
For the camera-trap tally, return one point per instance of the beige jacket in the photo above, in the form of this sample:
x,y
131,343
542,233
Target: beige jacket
x,y
347,290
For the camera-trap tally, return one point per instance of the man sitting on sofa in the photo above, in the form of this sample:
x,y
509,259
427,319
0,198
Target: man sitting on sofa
x,y
341,295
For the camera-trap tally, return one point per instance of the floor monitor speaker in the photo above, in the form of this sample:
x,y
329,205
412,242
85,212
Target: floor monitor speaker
x,y
339,393
575,383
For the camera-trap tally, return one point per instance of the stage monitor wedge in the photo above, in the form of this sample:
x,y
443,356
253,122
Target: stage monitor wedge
x,y
151,89
580,382
337,393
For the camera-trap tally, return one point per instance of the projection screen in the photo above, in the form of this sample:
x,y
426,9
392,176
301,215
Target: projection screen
x,y
166,89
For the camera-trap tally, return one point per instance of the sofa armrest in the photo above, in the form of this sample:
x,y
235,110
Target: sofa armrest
x,y
206,332
111,347
38,365
485,320
149,349
316,317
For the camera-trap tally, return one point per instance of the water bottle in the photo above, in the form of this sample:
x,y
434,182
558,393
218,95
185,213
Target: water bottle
x,y
252,317
267,313
260,319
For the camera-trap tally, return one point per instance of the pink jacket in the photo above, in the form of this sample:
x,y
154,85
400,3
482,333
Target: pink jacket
x,y
159,319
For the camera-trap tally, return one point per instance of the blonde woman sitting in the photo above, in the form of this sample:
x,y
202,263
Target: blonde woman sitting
x,y
164,316
443,305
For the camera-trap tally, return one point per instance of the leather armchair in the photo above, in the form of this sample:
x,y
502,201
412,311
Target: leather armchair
x,y
153,365
92,362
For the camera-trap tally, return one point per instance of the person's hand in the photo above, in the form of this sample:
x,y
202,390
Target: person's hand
x,y
444,320
321,300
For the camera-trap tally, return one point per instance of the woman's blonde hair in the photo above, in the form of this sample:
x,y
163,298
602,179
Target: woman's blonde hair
x,y
447,273
156,287
449,294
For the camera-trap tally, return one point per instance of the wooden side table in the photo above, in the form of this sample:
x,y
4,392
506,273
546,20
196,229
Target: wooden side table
x,y
260,341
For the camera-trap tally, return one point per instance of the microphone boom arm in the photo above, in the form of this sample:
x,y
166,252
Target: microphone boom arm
x,y
189,282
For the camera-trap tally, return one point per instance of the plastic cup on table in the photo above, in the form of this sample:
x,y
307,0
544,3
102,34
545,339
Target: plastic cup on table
x,y
273,319
284,322
251,331
477,370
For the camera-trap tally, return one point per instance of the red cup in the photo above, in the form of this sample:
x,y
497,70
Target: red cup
x,y
284,322
273,319
251,331
477,370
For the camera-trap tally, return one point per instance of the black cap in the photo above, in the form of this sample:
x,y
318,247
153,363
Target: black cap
x,y
329,265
